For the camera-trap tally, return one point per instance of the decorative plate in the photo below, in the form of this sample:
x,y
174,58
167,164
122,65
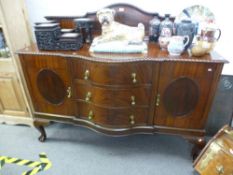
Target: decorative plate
x,y
197,14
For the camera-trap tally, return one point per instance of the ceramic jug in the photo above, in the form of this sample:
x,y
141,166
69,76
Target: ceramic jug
x,y
177,44
209,34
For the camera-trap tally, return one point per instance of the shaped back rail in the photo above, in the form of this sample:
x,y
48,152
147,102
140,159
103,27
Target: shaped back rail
x,y
125,13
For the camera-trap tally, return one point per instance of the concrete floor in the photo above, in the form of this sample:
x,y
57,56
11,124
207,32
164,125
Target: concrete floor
x,y
80,151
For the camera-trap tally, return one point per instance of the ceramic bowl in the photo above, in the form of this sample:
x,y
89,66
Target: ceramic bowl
x,y
202,47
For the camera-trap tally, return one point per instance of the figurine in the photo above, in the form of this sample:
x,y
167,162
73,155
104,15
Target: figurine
x,y
117,37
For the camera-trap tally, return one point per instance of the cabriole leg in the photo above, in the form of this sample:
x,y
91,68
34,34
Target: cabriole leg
x,y
198,144
40,127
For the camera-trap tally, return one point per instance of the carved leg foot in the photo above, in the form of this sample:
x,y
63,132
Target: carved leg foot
x,y
43,136
198,144
39,126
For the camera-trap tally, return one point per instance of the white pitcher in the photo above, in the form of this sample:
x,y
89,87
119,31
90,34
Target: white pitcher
x,y
176,45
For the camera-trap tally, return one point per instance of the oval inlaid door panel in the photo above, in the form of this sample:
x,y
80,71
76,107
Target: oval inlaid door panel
x,y
51,86
181,96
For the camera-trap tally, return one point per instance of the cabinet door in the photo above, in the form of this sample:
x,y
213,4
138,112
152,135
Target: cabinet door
x,y
11,97
48,82
183,94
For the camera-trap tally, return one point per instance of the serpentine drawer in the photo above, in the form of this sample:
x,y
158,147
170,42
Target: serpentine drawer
x,y
113,97
112,117
113,73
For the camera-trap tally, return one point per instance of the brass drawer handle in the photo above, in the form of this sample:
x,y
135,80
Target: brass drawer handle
x,y
69,93
88,97
86,74
133,103
133,75
220,169
131,120
90,115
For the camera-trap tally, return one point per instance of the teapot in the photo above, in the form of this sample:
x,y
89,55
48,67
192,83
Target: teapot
x,y
177,44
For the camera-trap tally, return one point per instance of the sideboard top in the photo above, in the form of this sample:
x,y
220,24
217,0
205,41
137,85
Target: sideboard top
x,y
154,54
125,14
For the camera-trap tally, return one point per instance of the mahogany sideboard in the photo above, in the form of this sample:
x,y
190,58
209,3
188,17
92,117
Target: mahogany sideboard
x,y
122,94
